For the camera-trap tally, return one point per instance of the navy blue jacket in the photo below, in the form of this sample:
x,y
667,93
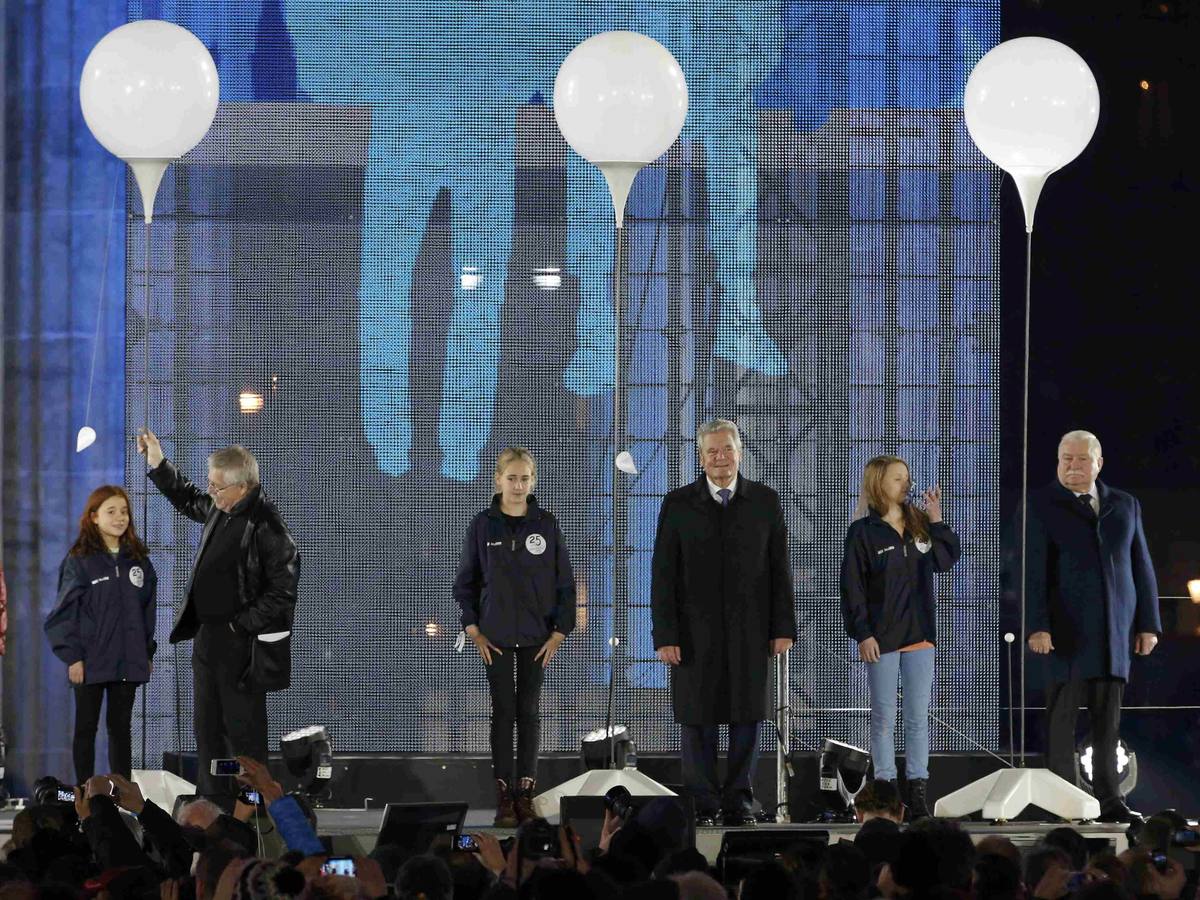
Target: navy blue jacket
x,y
105,616
1088,581
887,582
517,586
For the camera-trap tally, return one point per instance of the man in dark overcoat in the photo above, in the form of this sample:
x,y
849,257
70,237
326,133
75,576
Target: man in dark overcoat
x,y
1090,598
722,605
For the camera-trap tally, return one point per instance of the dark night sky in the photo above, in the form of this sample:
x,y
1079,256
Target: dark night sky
x,y
1114,322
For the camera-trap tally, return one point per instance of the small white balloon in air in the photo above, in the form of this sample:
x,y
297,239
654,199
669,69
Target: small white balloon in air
x,y
626,464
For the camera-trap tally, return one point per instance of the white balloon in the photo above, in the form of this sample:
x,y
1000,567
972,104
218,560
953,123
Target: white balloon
x,y
625,463
1031,105
85,438
620,100
620,97
149,90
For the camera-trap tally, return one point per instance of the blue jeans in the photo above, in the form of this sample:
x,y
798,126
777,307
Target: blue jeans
x,y
915,671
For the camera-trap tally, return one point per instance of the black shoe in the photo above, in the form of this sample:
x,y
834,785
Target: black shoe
x,y
918,799
1117,812
706,820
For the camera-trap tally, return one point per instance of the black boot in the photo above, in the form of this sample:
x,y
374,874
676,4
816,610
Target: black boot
x,y
918,799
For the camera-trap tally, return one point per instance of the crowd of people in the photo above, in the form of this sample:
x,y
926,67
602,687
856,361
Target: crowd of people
x,y
114,843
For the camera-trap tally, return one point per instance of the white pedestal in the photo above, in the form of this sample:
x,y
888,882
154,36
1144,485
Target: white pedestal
x,y
597,783
161,787
1002,795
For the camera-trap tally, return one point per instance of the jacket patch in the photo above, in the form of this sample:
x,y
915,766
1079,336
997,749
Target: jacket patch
x,y
535,544
98,580
924,546
137,576
885,550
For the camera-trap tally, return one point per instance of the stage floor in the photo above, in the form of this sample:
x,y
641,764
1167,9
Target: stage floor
x,y
353,831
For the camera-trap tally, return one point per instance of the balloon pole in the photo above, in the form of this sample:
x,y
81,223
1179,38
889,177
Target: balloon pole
x,y
146,411
618,529
1025,475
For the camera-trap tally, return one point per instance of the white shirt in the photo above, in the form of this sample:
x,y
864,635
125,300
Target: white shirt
x,y
715,489
1093,496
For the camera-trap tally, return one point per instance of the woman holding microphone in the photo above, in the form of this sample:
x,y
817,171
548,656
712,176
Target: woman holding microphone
x,y
888,606
517,595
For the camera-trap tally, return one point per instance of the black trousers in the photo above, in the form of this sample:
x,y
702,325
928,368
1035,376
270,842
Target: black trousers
x,y
1102,696
118,722
228,721
515,703
699,744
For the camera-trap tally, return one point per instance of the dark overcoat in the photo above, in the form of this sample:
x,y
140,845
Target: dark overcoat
x,y
1089,581
721,590
268,575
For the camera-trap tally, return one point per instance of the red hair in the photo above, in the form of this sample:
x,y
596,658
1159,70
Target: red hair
x,y
91,541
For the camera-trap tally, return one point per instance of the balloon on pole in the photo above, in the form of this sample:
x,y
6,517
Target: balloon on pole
x,y
149,92
1031,106
620,100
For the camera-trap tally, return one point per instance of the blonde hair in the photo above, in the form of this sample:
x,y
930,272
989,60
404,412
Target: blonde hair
x,y
510,455
873,497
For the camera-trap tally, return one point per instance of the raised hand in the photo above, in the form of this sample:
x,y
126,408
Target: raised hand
x,y
148,445
932,498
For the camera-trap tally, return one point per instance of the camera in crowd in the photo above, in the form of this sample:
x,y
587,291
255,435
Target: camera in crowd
x,y
619,803
49,791
538,839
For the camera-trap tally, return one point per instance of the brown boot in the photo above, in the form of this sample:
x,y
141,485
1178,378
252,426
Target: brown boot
x,y
523,798
506,815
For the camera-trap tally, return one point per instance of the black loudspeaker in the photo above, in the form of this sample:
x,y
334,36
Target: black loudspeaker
x,y
586,816
421,827
741,851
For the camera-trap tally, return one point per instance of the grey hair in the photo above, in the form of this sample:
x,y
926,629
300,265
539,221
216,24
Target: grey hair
x,y
713,427
1093,442
200,809
237,463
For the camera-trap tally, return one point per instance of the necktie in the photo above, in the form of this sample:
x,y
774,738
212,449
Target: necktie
x,y
724,494
1086,500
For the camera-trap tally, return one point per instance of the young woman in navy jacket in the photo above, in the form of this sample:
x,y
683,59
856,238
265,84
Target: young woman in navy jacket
x,y
517,595
888,600
103,626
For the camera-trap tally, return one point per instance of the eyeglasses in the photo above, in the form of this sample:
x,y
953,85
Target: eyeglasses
x,y
217,491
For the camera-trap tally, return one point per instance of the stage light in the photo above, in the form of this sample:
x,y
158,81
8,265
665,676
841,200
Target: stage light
x,y
432,629
308,755
842,774
250,402
1194,590
1144,84
470,279
548,279
595,751
1126,766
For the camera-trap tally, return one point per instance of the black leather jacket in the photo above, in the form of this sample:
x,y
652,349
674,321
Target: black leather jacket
x,y
268,573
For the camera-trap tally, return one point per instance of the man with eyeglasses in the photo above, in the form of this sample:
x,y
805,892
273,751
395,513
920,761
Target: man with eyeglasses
x,y
238,604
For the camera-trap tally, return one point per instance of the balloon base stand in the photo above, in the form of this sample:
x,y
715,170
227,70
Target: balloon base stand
x,y
597,783
1002,795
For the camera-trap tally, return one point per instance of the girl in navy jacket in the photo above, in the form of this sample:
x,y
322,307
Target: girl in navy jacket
x,y
103,626
888,599
517,595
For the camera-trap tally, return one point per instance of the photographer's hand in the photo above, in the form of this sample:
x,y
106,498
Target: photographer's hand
x,y
258,776
129,795
612,825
